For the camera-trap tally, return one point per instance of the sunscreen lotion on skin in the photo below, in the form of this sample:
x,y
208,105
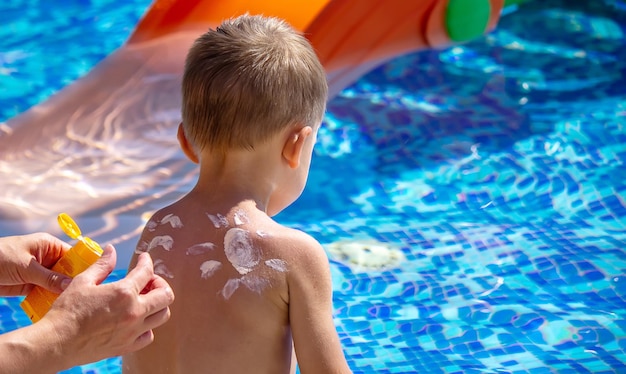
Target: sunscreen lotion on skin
x,y
84,253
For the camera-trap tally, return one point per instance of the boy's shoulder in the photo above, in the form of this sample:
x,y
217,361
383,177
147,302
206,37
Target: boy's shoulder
x,y
165,215
297,248
288,239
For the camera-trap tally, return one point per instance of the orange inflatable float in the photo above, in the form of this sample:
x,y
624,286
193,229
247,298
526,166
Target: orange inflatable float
x,y
106,139
350,36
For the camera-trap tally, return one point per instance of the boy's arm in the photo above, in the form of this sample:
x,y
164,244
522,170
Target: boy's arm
x,y
315,338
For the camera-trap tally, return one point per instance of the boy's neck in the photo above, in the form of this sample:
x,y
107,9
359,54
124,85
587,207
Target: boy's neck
x,y
241,175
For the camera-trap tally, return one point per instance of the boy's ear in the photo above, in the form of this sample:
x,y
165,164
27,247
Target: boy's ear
x,y
185,145
292,150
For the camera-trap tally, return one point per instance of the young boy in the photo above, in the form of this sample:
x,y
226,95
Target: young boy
x,y
248,290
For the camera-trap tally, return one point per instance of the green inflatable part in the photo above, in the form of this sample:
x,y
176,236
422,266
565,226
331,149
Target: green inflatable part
x,y
467,19
514,2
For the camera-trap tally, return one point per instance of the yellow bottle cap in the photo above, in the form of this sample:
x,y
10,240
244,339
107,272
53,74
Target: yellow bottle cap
x,y
73,231
69,226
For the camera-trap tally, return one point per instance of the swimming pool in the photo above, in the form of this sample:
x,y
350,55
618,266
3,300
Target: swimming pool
x,y
484,186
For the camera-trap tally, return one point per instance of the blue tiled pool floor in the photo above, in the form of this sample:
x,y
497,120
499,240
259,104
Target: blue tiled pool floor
x,y
497,169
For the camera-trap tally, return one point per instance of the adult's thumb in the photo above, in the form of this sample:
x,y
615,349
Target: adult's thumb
x,y
46,278
97,273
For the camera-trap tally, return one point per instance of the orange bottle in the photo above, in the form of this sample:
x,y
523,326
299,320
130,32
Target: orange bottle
x,y
84,253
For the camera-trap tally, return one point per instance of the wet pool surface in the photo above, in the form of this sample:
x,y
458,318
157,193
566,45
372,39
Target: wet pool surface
x,y
472,200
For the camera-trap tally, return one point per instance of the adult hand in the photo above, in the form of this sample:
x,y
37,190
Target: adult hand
x,y
97,320
24,262
89,321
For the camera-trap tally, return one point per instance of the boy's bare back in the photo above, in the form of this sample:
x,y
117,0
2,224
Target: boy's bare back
x,y
231,271
248,290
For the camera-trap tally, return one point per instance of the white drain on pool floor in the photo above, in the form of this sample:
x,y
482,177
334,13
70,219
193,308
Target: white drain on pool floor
x,y
364,255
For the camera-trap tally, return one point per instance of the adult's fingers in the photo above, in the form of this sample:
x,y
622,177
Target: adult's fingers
x,y
157,283
46,248
97,273
142,341
159,296
46,278
157,319
53,243
141,275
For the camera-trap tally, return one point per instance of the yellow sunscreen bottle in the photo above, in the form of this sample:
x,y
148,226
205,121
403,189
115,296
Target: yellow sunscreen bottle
x,y
84,253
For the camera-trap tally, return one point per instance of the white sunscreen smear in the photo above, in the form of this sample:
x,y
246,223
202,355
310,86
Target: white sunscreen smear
x,y
240,217
254,283
261,233
141,247
199,249
277,264
239,250
209,268
218,220
151,225
161,269
172,220
164,241
230,287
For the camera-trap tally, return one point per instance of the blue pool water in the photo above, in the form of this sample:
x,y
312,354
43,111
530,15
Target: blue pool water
x,y
482,188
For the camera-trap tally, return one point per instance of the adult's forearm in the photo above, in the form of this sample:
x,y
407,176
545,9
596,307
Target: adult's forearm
x,y
37,348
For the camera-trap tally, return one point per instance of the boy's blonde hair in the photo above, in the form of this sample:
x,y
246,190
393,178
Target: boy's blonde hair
x,y
247,80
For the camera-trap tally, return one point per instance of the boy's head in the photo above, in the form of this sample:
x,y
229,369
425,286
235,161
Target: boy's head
x,y
248,80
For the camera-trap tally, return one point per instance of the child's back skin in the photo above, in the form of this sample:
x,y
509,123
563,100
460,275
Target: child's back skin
x,y
247,288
